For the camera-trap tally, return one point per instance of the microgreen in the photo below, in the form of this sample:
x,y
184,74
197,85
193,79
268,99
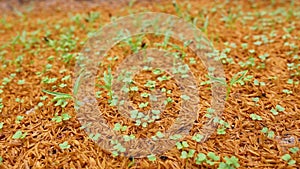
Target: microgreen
x,y
151,157
128,138
145,94
181,145
63,117
255,117
201,157
156,112
119,127
258,83
270,133
59,98
150,84
175,137
222,128
288,158
108,78
143,105
64,145
197,137
255,99
230,163
94,137
237,78
18,119
213,156
1,125
19,135
286,91
294,150
185,97
168,100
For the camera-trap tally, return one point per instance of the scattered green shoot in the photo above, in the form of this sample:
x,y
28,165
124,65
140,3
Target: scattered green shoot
x,y
19,135
288,159
63,117
294,150
64,145
151,157
255,117
230,163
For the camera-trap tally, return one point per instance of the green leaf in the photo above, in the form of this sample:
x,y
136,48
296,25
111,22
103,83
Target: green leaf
x,y
77,84
185,97
143,105
280,108
65,116
291,162
255,99
57,119
271,134
232,161
64,145
179,145
185,144
191,153
175,137
156,112
294,150
1,125
213,156
255,117
159,134
221,131
134,113
222,165
117,127
211,163
200,158
17,135
274,112
63,95
265,130
238,77
286,157
145,94
151,157
197,137
184,155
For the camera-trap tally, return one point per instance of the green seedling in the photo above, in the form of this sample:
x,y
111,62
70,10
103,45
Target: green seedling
x,y
198,137
175,137
59,98
201,157
64,145
294,150
270,133
19,135
119,127
181,145
151,157
237,78
94,137
230,163
63,117
288,159
19,119
255,117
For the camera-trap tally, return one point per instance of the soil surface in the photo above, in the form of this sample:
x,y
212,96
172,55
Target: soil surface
x,y
39,44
